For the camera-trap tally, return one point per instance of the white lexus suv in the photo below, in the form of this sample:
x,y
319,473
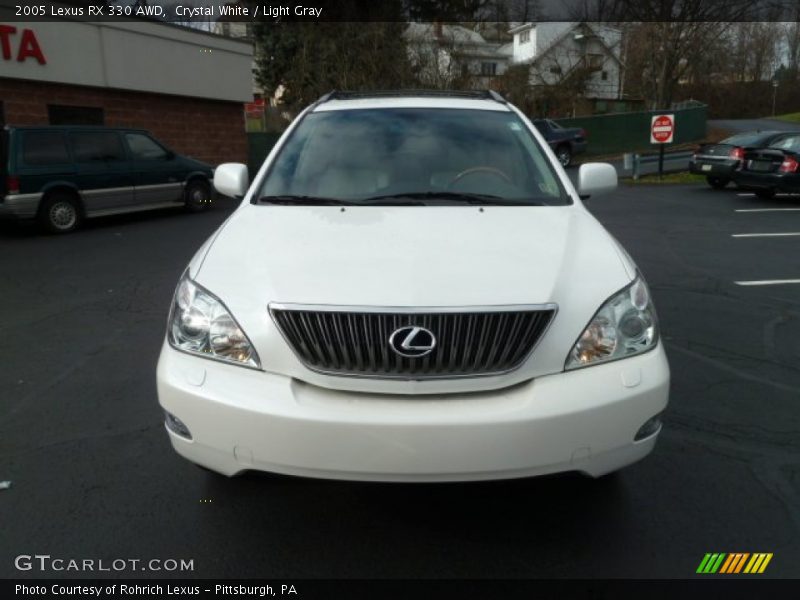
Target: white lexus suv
x,y
412,290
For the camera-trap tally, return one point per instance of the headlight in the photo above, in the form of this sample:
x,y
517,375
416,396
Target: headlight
x,y
625,325
200,324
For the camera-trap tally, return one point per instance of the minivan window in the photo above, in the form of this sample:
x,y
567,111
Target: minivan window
x,y
44,148
143,147
3,151
363,154
92,146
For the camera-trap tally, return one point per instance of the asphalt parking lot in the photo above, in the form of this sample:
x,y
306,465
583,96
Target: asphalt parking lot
x,y
93,475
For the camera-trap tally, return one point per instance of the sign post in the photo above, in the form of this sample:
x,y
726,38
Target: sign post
x,y
662,130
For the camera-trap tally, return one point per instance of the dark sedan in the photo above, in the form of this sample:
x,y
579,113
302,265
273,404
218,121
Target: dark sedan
x,y
773,169
719,161
566,142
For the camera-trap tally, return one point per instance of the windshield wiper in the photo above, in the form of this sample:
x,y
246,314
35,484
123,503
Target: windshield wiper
x,y
467,198
289,200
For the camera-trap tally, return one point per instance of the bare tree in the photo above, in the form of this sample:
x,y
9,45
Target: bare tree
x,y
435,51
670,36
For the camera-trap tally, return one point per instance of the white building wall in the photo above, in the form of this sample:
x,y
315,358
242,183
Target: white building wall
x,y
525,52
136,55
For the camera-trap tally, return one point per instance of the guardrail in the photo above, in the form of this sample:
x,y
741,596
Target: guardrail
x,y
634,161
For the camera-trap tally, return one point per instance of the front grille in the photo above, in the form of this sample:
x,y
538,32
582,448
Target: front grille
x,y
474,342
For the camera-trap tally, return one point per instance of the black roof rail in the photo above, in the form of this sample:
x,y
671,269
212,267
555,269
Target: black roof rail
x,y
325,97
353,95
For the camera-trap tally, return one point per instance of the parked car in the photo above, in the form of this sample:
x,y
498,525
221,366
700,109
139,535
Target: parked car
x,y
773,169
434,304
63,174
718,161
566,142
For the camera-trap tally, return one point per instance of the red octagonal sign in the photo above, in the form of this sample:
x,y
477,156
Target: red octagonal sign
x,y
662,127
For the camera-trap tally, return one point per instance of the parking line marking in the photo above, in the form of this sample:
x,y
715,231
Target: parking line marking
x,y
780,195
769,282
753,235
751,210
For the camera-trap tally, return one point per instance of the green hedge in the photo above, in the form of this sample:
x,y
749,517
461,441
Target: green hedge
x,y
258,146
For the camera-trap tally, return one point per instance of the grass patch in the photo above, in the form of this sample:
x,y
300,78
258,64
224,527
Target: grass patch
x,y
790,117
682,177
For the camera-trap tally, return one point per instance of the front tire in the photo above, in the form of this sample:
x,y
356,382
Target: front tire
x,y
564,155
197,196
60,213
717,183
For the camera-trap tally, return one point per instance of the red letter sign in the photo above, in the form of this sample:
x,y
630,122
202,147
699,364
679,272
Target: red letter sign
x,y
30,47
6,31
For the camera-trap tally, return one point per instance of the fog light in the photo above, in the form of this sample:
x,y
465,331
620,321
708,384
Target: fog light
x,y
175,425
650,427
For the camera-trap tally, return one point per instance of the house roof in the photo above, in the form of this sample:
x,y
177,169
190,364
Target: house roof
x,y
521,27
454,33
569,31
465,41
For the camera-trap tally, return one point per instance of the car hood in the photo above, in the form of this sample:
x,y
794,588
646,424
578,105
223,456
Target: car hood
x,y
408,256
412,257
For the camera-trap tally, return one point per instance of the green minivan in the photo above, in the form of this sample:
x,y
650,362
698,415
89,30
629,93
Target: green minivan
x,y
63,174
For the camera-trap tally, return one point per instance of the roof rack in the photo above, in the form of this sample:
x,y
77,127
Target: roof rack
x,y
471,94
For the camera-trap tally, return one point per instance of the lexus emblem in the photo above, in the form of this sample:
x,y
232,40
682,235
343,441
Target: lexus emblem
x,y
412,341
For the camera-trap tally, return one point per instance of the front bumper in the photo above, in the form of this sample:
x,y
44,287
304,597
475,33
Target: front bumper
x,y
242,419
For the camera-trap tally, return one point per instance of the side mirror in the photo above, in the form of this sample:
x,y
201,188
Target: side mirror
x,y
595,179
231,179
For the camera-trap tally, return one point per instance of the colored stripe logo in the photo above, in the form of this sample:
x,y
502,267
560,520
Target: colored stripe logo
x,y
734,563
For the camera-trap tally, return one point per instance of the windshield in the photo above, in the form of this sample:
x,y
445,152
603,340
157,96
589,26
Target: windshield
x,y
744,139
367,156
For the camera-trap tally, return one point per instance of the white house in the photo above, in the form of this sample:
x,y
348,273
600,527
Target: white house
x,y
555,52
446,53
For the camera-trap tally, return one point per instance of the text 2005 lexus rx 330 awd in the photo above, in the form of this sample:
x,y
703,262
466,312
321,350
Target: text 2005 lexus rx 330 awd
x,y
412,290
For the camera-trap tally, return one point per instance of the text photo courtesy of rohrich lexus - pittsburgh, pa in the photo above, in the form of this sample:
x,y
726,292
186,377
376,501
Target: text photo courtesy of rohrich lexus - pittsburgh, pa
x,y
411,298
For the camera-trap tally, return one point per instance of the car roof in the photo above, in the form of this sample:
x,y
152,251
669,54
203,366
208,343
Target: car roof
x,y
454,99
762,133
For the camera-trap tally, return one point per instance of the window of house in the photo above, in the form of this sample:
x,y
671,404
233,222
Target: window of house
x,y
143,147
604,76
555,70
44,148
525,36
595,60
75,115
93,146
488,68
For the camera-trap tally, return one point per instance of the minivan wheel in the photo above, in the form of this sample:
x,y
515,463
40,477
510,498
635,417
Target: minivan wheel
x,y
564,155
765,194
197,195
59,213
717,182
